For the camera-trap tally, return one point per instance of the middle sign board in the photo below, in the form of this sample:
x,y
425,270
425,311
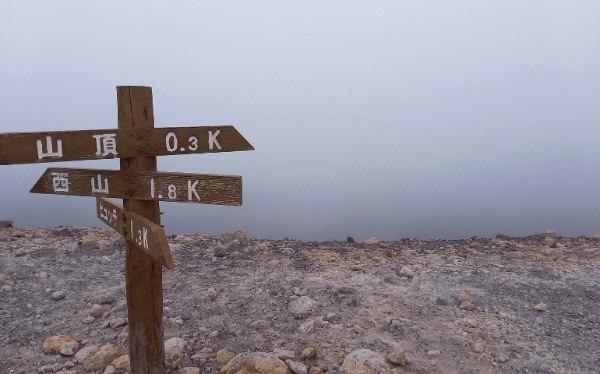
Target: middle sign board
x,y
148,185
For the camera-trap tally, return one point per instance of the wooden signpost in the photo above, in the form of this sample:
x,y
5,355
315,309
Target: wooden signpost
x,y
136,143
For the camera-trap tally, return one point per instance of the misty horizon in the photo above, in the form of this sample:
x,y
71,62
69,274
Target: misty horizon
x,y
388,120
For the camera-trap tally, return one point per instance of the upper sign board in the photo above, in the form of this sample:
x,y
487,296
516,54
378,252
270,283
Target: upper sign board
x,y
143,233
55,146
147,185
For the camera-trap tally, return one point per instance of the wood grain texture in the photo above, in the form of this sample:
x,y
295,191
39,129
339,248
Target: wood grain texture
x,y
26,148
145,235
146,185
143,273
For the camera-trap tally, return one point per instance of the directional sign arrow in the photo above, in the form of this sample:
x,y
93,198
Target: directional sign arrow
x,y
143,233
149,185
54,146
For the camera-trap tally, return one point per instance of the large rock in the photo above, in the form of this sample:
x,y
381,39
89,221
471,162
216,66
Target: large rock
x,y
302,305
550,242
122,362
296,367
94,357
189,370
224,355
255,363
364,361
398,357
6,224
236,235
372,241
52,345
69,348
174,347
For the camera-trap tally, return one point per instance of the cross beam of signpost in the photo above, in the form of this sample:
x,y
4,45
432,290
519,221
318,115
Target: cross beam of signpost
x,y
137,143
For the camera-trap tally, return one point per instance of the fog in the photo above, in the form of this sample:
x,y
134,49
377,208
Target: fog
x,y
392,119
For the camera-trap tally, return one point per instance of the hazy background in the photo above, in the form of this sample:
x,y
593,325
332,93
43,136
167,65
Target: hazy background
x,y
430,119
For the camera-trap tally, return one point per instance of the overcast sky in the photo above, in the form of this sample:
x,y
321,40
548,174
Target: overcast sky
x,y
430,119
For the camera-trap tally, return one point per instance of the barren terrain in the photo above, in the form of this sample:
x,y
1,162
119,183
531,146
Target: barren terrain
x,y
495,305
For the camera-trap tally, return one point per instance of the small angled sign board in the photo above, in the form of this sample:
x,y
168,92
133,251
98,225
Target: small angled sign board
x,y
146,185
55,146
143,233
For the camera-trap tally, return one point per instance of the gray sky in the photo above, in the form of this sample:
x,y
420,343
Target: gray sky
x,y
431,119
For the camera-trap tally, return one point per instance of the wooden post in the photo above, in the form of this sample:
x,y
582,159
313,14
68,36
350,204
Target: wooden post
x,y
143,274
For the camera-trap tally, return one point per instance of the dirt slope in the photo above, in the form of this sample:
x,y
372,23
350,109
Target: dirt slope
x,y
251,295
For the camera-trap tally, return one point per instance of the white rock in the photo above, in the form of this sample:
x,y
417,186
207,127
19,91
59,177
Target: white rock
x,y
302,305
364,361
174,347
69,348
123,335
261,324
372,241
307,327
118,322
52,345
122,362
96,358
96,311
550,242
58,295
240,236
296,367
255,362
284,354
189,370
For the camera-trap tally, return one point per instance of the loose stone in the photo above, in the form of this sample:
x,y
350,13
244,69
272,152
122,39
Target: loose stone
x,y
467,305
296,367
541,307
249,362
309,353
398,358
364,361
58,295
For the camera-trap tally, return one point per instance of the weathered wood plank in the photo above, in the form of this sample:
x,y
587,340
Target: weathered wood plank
x,y
56,146
147,185
143,275
146,235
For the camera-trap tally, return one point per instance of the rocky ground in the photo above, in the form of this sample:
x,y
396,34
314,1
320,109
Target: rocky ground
x,y
502,305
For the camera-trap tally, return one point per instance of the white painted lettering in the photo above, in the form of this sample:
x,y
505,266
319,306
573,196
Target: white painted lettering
x,y
145,237
172,191
110,217
212,140
106,144
49,148
192,190
103,213
60,182
152,187
100,189
114,216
